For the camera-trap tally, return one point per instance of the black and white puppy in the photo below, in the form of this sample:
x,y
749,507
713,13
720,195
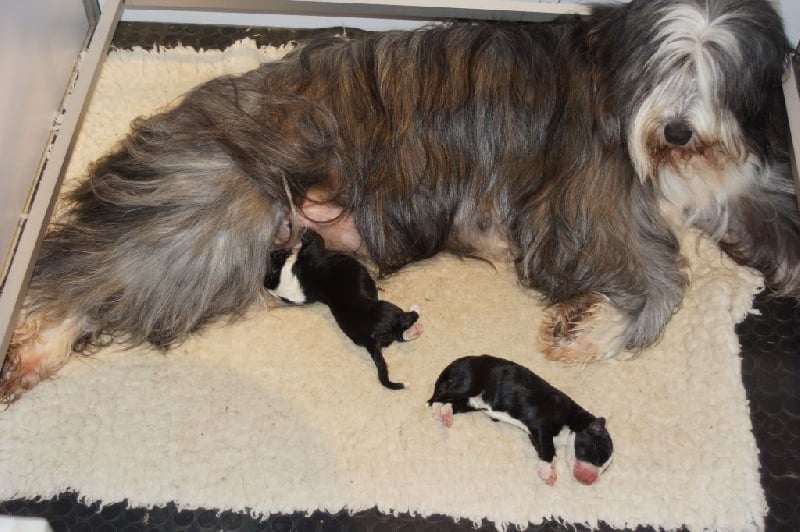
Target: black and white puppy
x,y
307,274
509,392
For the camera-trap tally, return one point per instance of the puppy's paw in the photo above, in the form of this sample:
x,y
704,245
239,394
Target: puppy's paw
x,y
443,412
584,330
547,472
413,332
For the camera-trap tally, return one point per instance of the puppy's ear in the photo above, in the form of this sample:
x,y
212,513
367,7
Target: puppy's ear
x,y
598,426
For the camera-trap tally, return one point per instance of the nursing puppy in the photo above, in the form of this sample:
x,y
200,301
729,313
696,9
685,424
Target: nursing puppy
x,y
343,284
578,148
508,392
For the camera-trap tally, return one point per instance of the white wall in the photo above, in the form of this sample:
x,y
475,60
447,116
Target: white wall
x,y
791,12
40,40
791,19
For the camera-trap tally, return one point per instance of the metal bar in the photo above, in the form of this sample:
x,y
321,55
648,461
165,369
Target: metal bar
x,y
411,9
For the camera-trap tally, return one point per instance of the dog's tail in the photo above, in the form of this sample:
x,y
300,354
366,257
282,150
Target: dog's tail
x,y
383,371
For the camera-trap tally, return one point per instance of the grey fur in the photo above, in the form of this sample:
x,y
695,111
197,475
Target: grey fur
x,y
431,139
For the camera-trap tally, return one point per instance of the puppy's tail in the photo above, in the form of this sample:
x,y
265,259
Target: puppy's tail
x,y
383,371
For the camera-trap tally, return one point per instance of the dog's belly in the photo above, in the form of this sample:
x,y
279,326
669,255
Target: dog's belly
x,y
478,403
332,223
338,230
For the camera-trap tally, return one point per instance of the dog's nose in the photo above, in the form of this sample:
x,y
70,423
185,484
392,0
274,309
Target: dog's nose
x,y
678,133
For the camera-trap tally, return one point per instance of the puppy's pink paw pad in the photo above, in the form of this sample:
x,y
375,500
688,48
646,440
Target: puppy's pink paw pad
x,y
413,332
547,472
443,412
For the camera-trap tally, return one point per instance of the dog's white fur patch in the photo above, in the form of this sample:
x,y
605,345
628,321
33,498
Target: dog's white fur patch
x,y
478,403
289,288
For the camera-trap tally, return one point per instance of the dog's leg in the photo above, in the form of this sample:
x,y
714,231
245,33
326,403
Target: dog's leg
x,y
592,326
584,329
607,263
542,441
38,349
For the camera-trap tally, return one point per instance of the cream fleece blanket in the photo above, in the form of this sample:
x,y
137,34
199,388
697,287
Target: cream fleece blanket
x,y
279,412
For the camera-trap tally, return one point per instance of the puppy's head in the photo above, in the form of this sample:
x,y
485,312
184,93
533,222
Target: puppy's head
x,y
312,246
589,452
287,266
459,380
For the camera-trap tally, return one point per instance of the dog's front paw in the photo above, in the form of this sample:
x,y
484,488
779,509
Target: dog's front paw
x,y
547,472
583,330
443,412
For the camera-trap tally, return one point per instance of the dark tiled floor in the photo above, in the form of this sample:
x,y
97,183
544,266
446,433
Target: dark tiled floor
x,y
770,369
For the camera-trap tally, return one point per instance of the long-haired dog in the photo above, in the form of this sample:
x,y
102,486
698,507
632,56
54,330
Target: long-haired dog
x,y
580,146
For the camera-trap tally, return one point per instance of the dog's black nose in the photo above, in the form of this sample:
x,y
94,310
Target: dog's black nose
x,y
678,133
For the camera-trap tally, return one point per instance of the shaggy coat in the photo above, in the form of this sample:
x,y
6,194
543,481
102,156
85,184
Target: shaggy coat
x,y
581,147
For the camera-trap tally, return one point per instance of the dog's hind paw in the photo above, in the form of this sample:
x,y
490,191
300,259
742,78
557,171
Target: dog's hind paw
x,y
35,353
16,378
443,412
584,330
413,332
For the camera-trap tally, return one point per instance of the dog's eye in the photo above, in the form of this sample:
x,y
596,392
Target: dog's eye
x,y
678,133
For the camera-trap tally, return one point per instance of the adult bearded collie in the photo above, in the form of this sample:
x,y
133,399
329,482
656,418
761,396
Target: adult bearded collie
x,y
579,147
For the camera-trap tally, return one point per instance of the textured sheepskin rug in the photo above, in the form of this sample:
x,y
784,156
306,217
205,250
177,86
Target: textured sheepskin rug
x,y
279,412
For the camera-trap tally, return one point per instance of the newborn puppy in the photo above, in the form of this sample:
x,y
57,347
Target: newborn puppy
x,y
512,393
309,274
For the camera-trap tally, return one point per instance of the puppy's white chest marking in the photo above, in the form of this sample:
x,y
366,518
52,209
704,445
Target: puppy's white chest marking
x,y
289,288
478,403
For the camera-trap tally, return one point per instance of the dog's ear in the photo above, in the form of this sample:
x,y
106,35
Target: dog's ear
x,y
598,426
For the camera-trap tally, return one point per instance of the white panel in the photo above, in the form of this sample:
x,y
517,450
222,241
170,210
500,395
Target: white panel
x,y
40,40
791,19
366,14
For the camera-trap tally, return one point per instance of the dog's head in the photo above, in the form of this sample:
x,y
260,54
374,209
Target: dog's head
x,y
696,86
589,452
289,266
